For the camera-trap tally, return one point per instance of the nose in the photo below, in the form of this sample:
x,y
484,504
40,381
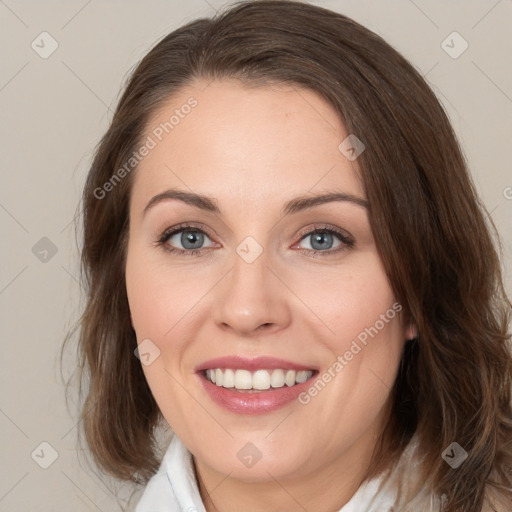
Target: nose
x,y
251,299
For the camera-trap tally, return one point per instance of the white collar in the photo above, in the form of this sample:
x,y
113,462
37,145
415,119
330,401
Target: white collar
x,y
174,488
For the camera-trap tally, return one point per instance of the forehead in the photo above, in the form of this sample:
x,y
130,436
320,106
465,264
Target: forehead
x,y
245,144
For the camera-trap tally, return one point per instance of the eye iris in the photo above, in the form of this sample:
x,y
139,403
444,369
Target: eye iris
x,y
193,237
320,238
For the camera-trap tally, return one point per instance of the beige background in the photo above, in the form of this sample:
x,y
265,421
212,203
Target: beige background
x,y
54,112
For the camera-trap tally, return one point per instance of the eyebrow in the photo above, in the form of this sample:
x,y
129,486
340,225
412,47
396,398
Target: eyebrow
x,y
209,204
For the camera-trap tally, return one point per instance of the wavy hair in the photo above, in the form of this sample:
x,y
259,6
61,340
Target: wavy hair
x,y
437,243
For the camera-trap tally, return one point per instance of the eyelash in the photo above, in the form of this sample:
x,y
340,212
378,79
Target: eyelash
x,y
347,242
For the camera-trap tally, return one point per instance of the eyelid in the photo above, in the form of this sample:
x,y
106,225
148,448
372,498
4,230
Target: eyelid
x,y
343,234
191,226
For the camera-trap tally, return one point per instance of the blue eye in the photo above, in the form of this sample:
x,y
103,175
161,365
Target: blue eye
x,y
190,238
322,241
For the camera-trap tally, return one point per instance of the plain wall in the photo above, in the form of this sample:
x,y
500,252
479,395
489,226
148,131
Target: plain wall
x,y
54,111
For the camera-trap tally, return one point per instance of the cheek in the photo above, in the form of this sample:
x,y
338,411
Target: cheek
x,y
349,299
362,333
157,302
157,297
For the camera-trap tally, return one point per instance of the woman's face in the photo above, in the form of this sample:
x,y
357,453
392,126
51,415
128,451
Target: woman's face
x,y
270,297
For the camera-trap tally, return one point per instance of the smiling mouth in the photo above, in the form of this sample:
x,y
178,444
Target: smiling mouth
x,y
238,380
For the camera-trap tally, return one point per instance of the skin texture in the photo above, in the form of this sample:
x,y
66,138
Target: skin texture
x,y
253,149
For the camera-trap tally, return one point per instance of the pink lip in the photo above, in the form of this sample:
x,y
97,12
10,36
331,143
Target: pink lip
x,y
260,402
257,363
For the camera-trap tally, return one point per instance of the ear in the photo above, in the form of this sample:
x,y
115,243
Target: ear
x,y
411,331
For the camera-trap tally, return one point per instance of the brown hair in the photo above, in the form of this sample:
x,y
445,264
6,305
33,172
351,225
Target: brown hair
x,y
455,379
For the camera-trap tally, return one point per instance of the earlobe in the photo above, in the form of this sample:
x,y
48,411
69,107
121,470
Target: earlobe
x,y
411,331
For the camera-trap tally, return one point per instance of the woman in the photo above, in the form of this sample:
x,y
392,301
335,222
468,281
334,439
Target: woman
x,y
280,225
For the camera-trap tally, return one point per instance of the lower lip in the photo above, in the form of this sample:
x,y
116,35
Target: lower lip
x,y
253,403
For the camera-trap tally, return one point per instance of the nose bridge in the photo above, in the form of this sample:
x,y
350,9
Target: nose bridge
x,y
251,295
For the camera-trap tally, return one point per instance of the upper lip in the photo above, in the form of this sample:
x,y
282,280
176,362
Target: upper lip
x,y
251,364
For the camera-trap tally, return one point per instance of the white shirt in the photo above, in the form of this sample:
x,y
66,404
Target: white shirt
x,y
174,488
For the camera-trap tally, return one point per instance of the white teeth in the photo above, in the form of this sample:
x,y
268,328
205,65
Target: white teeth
x,y
277,379
229,379
261,379
258,380
301,377
289,378
243,379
